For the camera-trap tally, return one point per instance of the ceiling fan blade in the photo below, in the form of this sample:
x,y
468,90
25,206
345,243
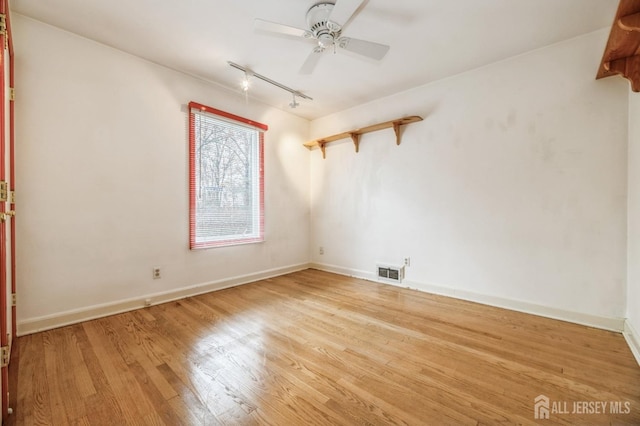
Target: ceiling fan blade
x,y
272,27
342,12
362,47
311,61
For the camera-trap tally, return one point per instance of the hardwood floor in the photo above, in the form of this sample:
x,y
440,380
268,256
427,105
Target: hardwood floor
x,y
317,348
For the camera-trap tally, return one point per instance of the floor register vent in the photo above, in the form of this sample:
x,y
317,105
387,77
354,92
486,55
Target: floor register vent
x,y
390,273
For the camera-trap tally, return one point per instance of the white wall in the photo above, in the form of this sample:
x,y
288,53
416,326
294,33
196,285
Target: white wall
x,y
633,259
513,187
102,179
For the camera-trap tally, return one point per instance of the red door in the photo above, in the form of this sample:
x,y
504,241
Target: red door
x,y
7,206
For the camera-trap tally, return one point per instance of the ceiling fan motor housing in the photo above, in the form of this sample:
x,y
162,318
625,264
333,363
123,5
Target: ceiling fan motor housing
x,y
317,19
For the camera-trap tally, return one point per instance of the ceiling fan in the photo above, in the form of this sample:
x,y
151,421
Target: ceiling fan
x,y
326,21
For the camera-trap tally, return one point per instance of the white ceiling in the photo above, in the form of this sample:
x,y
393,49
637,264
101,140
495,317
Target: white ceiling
x,y
429,39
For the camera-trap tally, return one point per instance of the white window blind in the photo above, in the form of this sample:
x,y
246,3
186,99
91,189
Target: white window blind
x,y
226,182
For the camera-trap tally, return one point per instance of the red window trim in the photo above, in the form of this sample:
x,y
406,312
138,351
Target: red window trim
x,y
192,178
225,114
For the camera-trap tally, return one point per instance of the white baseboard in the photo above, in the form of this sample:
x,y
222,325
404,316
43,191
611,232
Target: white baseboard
x,y
34,325
633,339
606,323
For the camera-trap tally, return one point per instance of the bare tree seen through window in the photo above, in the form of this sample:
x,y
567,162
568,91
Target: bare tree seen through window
x,y
227,190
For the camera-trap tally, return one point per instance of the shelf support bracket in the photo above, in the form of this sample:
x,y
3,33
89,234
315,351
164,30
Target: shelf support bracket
x,y
323,148
396,129
355,137
630,22
629,68
621,55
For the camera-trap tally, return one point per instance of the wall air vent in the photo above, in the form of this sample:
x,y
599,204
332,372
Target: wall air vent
x,y
390,273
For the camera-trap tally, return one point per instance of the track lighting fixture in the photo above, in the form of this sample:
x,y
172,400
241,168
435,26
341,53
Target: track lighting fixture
x,y
245,82
293,103
248,74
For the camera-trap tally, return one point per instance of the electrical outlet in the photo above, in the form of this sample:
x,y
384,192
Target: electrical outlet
x,y
407,261
321,250
156,274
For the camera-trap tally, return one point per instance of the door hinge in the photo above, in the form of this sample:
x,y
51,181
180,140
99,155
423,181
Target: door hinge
x,y
6,215
4,190
12,94
14,298
3,30
3,24
5,354
12,197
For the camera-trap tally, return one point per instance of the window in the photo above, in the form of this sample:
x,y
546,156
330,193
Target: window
x,y
226,178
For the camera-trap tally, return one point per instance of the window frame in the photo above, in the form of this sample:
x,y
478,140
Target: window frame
x,y
225,116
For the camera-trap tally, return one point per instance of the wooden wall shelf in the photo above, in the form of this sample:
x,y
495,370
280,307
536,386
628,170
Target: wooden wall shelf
x,y
355,134
622,54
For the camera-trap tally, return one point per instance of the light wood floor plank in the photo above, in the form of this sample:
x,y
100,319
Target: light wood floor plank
x,y
320,349
54,362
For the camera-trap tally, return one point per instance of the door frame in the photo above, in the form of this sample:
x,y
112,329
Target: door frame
x,y
6,148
